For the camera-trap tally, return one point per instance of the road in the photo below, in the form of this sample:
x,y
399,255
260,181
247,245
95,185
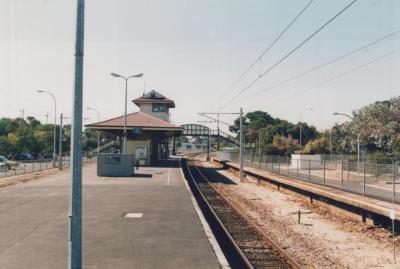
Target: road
x,y
34,230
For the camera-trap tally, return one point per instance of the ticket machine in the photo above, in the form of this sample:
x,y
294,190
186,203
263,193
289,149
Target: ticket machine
x,y
141,154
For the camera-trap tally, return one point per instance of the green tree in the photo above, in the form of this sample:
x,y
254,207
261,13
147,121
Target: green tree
x,y
377,125
8,126
317,146
259,125
6,147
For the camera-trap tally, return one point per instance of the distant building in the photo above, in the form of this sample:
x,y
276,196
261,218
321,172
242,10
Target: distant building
x,y
149,130
155,104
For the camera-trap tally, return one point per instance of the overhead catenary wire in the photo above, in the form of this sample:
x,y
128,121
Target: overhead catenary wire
x,y
322,65
335,77
265,51
288,54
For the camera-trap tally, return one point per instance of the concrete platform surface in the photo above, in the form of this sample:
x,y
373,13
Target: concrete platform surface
x,y
34,227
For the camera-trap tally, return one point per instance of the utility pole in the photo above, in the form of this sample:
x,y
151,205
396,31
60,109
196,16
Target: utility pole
x,y
209,145
75,210
330,142
98,131
209,138
301,125
207,115
218,121
218,134
358,149
60,157
241,146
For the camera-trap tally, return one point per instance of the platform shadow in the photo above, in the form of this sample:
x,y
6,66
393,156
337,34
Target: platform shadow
x,y
171,163
215,177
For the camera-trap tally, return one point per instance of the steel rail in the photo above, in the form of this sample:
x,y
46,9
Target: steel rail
x,y
268,239
222,226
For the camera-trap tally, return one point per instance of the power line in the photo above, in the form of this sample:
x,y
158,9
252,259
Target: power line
x,y
288,54
266,50
336,77
323,65
216,120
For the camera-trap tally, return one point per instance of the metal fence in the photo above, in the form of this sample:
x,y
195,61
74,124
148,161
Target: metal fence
x,y
33,166
366,178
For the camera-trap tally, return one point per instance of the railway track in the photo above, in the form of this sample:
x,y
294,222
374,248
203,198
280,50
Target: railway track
x,y
245,245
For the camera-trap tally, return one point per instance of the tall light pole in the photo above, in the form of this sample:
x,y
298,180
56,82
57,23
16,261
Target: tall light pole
x,y
126,102
55,124
98,131
301,119
358,135
60,139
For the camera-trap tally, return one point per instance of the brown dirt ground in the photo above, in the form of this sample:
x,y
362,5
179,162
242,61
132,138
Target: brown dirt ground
x,y
324,239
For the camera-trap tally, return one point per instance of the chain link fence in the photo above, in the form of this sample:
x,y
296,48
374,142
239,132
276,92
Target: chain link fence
x,y
366,178
33,166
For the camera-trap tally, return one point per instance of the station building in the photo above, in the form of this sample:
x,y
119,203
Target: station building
x,y
149,130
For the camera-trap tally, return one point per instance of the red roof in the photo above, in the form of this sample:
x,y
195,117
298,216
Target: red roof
x,y
137,119
142,100
153,97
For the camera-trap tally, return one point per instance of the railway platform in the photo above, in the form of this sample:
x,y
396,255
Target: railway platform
x,y
163,229
356,205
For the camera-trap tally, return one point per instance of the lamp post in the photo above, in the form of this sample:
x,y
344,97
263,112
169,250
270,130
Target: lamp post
x,y
358,135
98,131
301,119
55,124
126,102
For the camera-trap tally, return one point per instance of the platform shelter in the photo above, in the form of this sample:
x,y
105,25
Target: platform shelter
x,y
148,131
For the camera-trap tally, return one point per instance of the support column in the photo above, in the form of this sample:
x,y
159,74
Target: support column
x,y
174,145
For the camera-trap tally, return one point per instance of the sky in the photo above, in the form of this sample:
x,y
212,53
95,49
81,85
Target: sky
x,y
192,51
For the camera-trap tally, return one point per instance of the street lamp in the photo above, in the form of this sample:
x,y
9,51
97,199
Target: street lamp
x,y
301,119
98,131
126,101
55,124
358,135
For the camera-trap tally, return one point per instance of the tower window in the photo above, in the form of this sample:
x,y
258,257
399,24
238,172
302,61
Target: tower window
x,y
159,108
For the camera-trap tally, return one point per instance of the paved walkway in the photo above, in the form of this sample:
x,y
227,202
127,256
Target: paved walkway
x,y
34,231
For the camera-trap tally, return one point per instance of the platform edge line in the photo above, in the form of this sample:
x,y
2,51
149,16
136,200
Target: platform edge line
x,y
211,238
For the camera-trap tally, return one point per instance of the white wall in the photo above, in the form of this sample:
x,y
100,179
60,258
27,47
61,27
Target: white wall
x,y
302,161
147,108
